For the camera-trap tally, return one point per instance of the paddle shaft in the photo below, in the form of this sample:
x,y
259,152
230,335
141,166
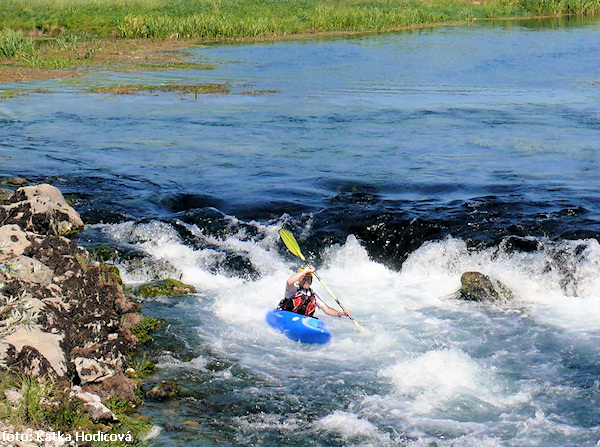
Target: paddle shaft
x,y
334,297
292,245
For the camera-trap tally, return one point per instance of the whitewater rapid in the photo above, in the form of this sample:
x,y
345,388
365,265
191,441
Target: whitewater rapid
x,y
429,368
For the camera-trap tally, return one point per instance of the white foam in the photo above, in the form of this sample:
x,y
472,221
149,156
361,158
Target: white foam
x,y
441,365
558,284
349,426
477,440
541,425
436,378
563,294
168,361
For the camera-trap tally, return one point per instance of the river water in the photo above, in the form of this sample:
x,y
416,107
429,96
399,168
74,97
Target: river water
x,y
399,161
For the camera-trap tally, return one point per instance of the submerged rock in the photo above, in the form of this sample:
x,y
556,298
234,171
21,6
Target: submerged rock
x,y
164,391
476,286
166,287
16,181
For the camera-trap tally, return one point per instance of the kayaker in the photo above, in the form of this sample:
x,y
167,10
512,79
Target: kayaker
x,y
300,298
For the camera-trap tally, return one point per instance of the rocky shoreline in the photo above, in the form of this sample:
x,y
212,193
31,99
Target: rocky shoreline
x,y
64,317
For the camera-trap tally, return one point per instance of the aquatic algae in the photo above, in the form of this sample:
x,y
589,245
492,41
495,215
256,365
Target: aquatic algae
x,y
139,89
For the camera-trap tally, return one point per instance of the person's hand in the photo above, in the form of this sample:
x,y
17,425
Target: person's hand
x,y
309,269
344,314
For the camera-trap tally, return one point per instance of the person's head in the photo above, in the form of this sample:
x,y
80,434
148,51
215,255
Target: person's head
x,y
305,281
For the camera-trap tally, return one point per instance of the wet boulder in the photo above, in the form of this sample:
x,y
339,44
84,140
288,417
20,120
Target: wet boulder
x,y
475,286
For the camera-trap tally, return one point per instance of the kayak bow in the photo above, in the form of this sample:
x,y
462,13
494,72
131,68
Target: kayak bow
x,y
299,327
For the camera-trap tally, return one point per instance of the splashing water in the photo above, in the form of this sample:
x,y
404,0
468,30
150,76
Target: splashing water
x,y
432,369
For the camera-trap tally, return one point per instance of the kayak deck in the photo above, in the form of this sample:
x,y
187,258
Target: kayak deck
x,y
299,327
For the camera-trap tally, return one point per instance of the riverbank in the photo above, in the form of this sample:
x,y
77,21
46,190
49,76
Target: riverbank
x,y
51,61
226,19
68,331
42,39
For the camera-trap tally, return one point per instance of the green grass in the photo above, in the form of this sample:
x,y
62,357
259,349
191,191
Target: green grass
x,y
143,330
234,19
46,405
14,43
42,405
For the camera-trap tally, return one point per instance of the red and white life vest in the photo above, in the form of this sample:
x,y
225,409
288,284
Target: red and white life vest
x,y
303,302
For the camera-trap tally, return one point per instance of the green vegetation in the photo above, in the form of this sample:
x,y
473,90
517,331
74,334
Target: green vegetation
x,y
15,43
195,89
103,253
234,19
178,66
259,92
166,287
143,330
15,311
142,366
40,404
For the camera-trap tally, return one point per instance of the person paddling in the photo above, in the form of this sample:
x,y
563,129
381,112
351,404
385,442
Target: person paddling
x,y
300,298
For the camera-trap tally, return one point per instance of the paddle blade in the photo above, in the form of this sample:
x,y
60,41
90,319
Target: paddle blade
x,y
290,242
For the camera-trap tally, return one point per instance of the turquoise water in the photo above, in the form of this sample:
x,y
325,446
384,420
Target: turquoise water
x,y
399,161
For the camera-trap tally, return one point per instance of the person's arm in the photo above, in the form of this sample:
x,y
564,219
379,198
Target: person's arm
x,y
296,277
329,310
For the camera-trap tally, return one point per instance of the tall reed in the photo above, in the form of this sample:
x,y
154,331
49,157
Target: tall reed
x,y
225,19
15,43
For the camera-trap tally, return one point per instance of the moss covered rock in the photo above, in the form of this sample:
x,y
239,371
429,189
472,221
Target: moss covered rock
x,y
16,182
166,287
476,286
165,391
103,253
115,271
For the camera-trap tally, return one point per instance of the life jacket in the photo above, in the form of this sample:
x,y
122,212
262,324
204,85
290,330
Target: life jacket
x,y
303,302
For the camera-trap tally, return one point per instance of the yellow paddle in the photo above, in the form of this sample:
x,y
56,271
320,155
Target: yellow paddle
x,y
290,242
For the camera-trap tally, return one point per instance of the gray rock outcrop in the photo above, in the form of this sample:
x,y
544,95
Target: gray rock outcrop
x,y
61,311
41,209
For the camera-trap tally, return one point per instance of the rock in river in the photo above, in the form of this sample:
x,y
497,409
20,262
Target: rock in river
x,y
476,286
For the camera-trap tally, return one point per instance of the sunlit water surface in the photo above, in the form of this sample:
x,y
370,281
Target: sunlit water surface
x,y
399,161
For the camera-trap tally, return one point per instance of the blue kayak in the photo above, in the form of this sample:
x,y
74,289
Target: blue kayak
x,y
299,327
